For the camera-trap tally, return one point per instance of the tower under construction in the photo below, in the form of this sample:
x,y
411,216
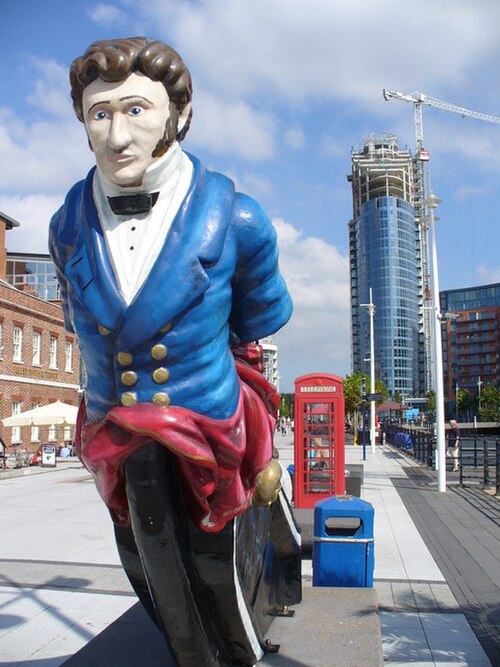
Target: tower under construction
x,y
389,253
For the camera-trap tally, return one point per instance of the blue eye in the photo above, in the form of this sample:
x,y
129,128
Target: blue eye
x,y
100,115
135,111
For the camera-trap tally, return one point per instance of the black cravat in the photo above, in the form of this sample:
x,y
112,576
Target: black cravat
x,y
133,204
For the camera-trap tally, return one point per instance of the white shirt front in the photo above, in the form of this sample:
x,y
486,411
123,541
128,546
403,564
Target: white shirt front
x,y
134,242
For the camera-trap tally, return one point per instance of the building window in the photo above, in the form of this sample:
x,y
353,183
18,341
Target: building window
x,y
16,430
69,356
52,433
18,344
37,348
53,352
34,275
35,430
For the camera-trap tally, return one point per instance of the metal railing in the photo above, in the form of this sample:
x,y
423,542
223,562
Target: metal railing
x,y
479,456
485,457
417,442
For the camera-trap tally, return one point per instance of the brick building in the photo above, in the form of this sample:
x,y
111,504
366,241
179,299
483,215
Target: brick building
x,y
39,360
471,339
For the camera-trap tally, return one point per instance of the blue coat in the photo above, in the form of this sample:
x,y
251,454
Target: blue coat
x,y
216,274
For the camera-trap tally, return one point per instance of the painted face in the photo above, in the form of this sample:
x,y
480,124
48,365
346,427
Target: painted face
x,y
124,122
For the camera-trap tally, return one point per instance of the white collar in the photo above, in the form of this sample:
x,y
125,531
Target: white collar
x,y
162,174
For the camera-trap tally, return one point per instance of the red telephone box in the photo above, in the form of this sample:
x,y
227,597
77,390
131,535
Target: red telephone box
x,y
319,438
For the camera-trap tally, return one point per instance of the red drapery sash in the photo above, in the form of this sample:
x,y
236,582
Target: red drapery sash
x,y
219,460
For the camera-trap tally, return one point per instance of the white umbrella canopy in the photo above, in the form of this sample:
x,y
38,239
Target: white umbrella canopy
x,y
57,413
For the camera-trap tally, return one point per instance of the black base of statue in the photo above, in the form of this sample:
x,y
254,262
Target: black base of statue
x,y
212,595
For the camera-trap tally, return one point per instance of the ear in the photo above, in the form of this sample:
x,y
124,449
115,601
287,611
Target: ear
x,y
183,117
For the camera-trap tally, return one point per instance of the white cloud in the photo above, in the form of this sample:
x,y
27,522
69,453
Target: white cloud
x,y
485,275
255,185
463,141
45,156
317,275
323,54
33,213
106,14
323,50
51,89
231,127
48,152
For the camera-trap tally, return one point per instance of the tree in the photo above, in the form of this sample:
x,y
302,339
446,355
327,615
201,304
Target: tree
x,y
352,391
465,402
431,402
286,405
380,388
490,404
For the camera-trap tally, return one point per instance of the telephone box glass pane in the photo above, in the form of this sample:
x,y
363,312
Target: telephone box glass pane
x,y
318,433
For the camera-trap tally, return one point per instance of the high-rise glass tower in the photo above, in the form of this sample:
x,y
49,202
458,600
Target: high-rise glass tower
x,y
385,256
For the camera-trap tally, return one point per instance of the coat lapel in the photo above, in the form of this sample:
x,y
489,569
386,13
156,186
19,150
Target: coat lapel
x,y
178,277
89,271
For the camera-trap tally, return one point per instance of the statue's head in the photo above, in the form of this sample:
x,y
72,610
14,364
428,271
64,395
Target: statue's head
x,y
134,97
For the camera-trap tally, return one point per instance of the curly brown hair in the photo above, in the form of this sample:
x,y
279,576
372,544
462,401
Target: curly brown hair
x,y
116,59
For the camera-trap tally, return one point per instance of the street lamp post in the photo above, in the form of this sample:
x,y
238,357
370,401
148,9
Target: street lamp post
x,y
431,203
371,312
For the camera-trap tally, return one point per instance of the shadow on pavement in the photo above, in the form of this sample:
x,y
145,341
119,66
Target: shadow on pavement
x,y
132,640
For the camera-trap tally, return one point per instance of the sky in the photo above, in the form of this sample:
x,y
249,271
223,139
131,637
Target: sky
x,y
284,90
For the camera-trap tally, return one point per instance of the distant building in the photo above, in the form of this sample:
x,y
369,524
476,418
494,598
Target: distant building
x,y
471,338
385,252
271,370
39,359
34,274
39,363
6,223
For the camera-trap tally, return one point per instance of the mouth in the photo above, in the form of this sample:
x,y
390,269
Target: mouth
x,y
121,158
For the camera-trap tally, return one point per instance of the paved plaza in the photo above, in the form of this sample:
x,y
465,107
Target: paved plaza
x,y
64,599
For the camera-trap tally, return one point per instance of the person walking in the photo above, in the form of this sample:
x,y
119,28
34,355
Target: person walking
x,y
454,444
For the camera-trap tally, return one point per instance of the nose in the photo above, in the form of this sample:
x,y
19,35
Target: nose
x,y
119,134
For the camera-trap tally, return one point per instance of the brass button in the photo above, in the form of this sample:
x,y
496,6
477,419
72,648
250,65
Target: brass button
x,y
129,378
124,358
102,330
166,328
159,352
160,375
128,398
161,398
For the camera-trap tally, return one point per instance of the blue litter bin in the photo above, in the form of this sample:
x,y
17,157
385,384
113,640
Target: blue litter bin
x,y
343,544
